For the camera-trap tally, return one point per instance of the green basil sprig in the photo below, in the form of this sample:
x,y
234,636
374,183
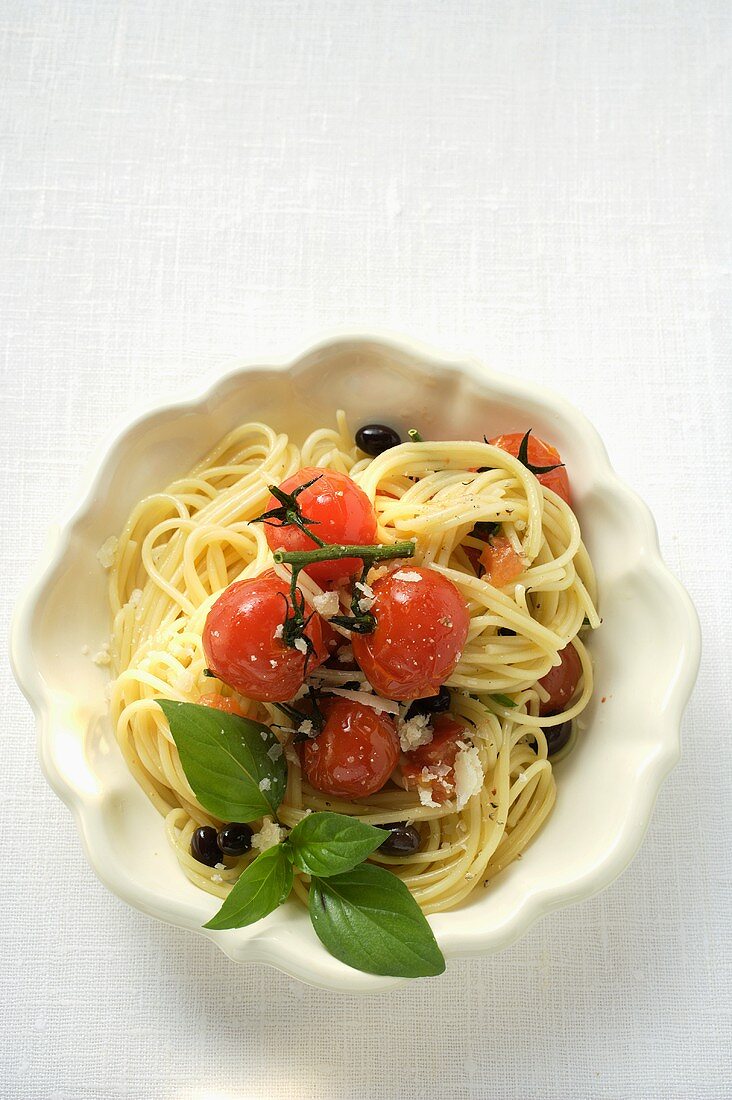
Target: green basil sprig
x,y
363,914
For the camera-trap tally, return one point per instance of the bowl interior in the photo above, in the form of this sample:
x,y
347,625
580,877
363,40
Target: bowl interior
x,y
605,787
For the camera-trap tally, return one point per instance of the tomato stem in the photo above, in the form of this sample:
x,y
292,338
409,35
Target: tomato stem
x,y
523,457
299,559
289,514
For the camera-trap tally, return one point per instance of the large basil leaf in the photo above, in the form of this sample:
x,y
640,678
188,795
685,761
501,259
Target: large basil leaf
x,y
226,760
367,918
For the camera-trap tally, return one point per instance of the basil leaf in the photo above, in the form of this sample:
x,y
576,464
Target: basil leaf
x,y
328,844
503,701
259,890
226,760
367,918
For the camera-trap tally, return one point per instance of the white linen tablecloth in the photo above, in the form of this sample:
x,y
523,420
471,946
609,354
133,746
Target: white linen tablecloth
x,y
545,185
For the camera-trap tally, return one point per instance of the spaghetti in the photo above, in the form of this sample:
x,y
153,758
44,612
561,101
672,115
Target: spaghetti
x,y
183,546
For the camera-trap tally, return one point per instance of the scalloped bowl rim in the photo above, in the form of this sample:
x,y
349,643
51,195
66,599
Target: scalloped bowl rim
x,y
286,956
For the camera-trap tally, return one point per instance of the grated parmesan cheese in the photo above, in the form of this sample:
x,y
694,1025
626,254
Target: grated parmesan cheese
x,y
274,752
269,835
278,630
301,645
327,604
414,732
425,797
345,654
265,784
468,774
367,600
103,656
107,552
407,575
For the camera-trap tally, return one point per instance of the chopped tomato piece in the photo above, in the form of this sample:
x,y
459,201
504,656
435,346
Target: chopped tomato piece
x,y
500,561
539,454
432,766
221,702
561,681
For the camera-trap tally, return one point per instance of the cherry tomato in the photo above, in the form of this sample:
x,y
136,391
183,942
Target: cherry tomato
x,y
221,702
355,753
421,626
440,753
500,561
344,515
561,682
539,454
241,643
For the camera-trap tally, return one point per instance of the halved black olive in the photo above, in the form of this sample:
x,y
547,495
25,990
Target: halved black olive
x,y
432,704
404,839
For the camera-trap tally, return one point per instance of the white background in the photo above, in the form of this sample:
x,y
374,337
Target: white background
x,y
545,185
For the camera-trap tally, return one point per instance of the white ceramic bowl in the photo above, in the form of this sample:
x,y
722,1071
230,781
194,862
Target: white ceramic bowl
x,y
646,654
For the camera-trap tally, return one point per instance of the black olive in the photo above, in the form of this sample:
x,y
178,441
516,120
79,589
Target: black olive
x,y
485,530
404,839
433,704
557,737
235,838
205,846
374,439
505,632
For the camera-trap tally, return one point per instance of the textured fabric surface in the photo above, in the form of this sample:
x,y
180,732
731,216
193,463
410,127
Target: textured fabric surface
x,y
543,184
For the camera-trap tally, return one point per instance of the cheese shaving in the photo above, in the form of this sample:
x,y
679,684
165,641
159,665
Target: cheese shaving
x,y
327,604
379,704
107,552
414,732
468,774
269,835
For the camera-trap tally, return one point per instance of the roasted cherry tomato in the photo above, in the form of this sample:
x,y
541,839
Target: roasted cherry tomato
x,y
243,644
539,454
500,561
437,757
342,513
421,626
561,682
355,753
221,702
